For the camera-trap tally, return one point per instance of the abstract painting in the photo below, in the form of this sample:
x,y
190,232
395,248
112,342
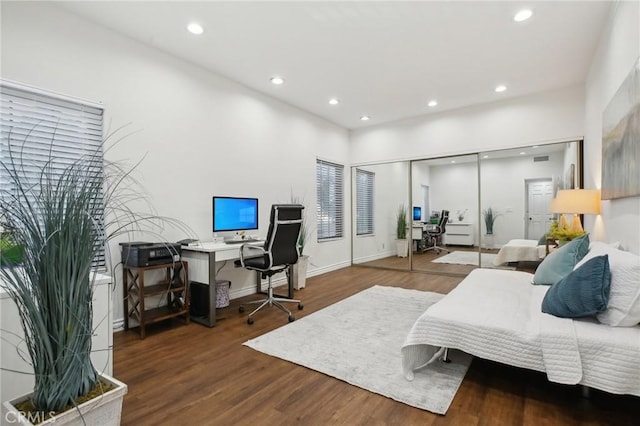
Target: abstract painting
x,y
621,140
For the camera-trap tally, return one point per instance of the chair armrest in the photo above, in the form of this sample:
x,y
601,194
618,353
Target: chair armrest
x,y
248,248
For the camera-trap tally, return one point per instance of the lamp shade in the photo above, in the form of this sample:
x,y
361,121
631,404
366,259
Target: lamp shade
x,y
579,201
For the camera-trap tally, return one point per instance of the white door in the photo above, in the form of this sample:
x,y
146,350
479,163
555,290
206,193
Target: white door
x,y
538,214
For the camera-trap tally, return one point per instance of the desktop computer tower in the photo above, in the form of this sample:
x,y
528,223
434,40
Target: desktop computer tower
x,y
199,304
199,292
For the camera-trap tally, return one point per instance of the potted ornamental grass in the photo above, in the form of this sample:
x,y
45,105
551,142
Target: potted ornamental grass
x,y
62,223
402,244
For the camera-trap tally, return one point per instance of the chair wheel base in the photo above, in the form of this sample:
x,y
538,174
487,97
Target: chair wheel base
x,y
250,320
241,309
292,318
300,306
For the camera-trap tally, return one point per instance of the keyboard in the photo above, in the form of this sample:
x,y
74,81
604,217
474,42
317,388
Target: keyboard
x,y
246,240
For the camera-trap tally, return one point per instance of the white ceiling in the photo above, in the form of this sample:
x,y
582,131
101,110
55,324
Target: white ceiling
x,y
382,59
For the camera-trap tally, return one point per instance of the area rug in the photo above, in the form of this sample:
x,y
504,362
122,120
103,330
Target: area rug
x,y
359,339
466,258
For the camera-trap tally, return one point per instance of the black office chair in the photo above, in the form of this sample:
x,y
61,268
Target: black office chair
x,y
280,251
433,232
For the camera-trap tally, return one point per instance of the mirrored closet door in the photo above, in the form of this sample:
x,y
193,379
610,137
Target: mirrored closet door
x,y
493,199
445,224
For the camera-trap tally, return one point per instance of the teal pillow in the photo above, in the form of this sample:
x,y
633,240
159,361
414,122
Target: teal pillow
x,y
583,292
560,263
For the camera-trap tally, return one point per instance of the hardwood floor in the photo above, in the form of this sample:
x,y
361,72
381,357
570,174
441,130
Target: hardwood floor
x,y
423,261
204,376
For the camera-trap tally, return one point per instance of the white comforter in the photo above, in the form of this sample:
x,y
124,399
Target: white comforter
x,y
520,251
496,315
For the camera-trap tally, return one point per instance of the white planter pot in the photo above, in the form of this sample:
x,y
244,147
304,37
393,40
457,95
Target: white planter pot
x,y
104,410
299,272
402,248
489,241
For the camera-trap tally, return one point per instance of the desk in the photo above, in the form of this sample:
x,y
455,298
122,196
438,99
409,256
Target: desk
x,y
218,252
416,231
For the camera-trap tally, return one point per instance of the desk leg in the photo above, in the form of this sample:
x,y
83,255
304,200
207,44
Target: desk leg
x,y
213,287
210,320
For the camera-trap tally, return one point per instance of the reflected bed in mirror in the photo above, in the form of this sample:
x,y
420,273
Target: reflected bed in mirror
x,y
515,183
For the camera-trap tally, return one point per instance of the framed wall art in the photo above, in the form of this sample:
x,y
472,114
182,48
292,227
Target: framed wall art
x,y
621,140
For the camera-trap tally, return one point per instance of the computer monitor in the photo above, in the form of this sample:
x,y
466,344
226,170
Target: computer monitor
x,y
235,214
417,214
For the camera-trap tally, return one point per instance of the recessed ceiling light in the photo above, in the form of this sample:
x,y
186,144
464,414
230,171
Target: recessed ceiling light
x,y
522,153
195,28
453,161
334,101
535,146
277,80
432,103
500,88
523,15
364,118
485,156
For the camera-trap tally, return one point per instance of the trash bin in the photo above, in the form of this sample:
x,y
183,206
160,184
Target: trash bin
x,y
222,293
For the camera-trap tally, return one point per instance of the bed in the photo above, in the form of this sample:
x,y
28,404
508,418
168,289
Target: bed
x,y
496,315
520,251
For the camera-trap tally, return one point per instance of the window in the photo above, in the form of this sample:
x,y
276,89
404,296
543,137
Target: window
x,y
329,185
30,119
364,202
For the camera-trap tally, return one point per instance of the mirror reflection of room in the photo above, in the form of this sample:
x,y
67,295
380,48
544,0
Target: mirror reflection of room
x,y
445,238
520,209
520,206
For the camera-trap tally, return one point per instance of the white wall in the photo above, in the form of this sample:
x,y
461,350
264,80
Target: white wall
x,y
556,116
618,49
202,134
454,187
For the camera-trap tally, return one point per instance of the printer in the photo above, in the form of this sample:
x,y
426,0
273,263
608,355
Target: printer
x,y
149,254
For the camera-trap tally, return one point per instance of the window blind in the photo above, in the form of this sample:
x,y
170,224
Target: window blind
x,y
30,119
329,185
364,202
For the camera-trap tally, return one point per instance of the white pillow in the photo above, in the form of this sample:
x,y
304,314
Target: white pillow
x,y
623,309
615,244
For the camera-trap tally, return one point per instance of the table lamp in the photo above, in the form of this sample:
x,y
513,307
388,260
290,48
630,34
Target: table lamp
x,y
576,201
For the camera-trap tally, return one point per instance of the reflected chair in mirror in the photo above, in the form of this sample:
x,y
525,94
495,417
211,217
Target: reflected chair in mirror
x,y
435,232
279,252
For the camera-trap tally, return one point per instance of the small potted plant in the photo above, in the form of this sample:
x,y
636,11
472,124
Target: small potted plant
x,y
299,270
562,235
402,244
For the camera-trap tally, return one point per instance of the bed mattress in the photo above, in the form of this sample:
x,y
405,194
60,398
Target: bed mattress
x,y
520,251
495,314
